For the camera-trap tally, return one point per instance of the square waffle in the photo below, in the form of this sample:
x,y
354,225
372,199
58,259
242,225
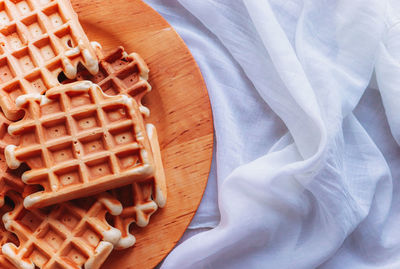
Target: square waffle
x,y
78,142
123,73
38,40
68,235
120,73
140,199
9,179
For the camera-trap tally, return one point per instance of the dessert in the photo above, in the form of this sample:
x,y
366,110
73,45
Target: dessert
x,y
77,142
6,237
123,73
78,165
39,39
67,235
159,186
9,179
141,199
119,73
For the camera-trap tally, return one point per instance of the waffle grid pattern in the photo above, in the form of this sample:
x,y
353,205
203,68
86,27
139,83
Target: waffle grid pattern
x,y
68,235
119,73
79,143
140,200
39,39
138,207
9,179
123,73
6,237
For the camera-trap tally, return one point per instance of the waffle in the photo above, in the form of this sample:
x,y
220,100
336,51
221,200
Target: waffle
x,y
141,199
159,188
6,237
78,142
120,73
68,235
9,179
39,39
123,73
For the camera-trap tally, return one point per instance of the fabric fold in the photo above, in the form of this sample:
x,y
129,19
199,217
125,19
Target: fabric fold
x,y
310,194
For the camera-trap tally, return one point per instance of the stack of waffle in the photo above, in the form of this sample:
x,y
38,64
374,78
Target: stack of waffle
x,y
78,163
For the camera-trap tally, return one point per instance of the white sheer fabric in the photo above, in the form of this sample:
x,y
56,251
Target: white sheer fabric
x,y
305,175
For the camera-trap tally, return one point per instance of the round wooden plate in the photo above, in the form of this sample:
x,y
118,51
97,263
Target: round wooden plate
x,y
180,110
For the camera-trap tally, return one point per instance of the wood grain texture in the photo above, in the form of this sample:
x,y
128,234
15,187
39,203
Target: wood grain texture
x,y
180,110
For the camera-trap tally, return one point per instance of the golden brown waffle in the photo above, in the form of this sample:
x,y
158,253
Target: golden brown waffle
x,y
78,142
38,40
120,73
67,235
141,199
123,73
6,237
9,179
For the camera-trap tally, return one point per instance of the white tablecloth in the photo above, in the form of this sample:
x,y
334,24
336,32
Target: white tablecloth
x,y
306,167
